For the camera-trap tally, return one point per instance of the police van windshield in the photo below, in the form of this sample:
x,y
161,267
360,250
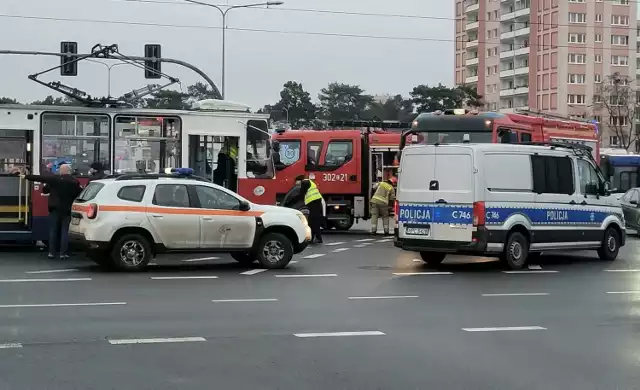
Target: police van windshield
x,y
259,161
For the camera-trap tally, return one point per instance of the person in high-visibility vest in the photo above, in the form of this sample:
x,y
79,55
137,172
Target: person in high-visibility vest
x,y
314,202
384,194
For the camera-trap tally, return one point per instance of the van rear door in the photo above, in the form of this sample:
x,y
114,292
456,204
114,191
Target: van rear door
x,y
415,198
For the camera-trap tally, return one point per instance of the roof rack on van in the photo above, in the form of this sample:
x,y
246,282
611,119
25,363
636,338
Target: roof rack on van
x,y
153,176
567,145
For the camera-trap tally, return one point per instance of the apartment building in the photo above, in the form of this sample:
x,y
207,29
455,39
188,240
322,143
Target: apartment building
x,y
544,55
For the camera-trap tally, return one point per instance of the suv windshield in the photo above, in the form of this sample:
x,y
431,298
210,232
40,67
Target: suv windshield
x,y
89,192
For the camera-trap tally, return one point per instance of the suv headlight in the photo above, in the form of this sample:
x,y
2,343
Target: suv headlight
x,y
303,219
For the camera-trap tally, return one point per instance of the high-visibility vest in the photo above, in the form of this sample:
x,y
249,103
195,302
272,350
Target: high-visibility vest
x,y
381,196
312,193
233,153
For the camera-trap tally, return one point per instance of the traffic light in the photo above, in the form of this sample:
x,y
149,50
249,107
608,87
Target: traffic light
x,y
152,68
69,67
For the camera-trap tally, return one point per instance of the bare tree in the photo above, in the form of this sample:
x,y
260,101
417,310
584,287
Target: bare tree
x,y
618,97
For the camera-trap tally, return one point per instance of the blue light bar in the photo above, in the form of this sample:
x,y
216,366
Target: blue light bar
x,y
624,161
179,171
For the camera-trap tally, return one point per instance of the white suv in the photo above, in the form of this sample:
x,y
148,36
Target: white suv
x,y
123,222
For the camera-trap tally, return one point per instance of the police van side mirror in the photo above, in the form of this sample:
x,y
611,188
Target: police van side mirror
x,y
244,206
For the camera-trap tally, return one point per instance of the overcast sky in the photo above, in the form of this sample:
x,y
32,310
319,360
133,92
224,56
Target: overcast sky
x,y
258,63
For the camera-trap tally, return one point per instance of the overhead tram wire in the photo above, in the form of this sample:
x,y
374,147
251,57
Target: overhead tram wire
x,y
283,32
399,16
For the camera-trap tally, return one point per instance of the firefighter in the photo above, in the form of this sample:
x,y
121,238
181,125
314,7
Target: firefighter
x,y
314,202
380,200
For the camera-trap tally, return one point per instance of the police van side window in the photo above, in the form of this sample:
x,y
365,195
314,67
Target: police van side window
x,y
588,176
214,199
552,175
171,195
132,193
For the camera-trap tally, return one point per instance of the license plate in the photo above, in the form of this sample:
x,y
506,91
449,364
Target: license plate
x,y
75,221
421,231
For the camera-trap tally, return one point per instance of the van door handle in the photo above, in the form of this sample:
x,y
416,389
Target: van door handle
x,y
441,201
207,218
156,215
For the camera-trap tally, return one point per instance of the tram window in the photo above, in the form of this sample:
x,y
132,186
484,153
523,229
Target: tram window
x,y
259,162
146,144
78,139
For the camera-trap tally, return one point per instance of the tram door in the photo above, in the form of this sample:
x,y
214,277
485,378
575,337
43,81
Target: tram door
x,y
15,205
212,157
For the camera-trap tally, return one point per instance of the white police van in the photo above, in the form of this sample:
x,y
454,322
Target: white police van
x,y
514,201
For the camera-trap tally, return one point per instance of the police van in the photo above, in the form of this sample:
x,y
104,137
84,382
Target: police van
x,y
513,201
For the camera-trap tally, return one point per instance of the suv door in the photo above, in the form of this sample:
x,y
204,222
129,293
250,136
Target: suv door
x,y
629,203
222,223
173,217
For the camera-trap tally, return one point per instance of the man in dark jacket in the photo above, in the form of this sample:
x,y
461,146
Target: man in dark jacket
x,y
63,189
96,171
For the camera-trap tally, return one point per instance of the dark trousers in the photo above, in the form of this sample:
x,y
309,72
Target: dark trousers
x,y
58,232
316,219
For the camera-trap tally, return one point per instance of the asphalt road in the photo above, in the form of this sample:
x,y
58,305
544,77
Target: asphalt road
x,y
355,313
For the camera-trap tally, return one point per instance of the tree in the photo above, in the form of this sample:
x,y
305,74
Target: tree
x,y
618,98
200,91
59,101
340,101
295,105
168,99
441,97
395,108
7,100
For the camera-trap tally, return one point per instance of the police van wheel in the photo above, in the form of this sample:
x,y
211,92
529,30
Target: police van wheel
x,y
244,258
433,258
610,245
131,252
274,251
516,252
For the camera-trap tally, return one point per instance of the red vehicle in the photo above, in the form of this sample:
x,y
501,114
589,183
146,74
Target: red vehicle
x,y
345,163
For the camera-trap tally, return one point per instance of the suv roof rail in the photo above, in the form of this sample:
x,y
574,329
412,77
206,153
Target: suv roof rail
x,y
556,144
152,176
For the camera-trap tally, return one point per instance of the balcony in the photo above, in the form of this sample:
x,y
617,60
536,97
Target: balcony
x,y
524,70
472,26
522,13
521,90
524,31
472,44
513,110
472,61
471,79
473,7
514,53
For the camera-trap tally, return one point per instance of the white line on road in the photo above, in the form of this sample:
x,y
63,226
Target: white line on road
x,y
623,292
52,271
341,250
362,245
200,259
293,262
44,280
314,256
156,341
516,295
530,272
65,304
366,240
534,266
253,271
245,300
422,273
339,334
386,240
385,297
305,276
622,270
335,243
506,328
181,277
418,261
10,345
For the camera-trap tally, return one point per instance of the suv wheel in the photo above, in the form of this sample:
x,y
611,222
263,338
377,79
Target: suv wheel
x,y
610,245
131,252
244,258
274,251
516,252
433,258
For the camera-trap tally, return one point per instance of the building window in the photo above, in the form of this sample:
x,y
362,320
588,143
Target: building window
x,y
576,1
576,78
614,140
620,40
597,78
577,38
620,2
598,58
619,60
575,17
598,38
577,58
618,121
576,99
619,20
599,18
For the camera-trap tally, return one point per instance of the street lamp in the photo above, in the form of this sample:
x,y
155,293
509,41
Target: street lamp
x,y
287,111
223,12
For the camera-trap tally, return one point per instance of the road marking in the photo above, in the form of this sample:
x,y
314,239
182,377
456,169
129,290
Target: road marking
x,y
293,262
366,240
362,245
516,295
152,264
253,271
245,300
534,266
530,272
181,277
339,334
52,271
506,328
622,270
200,259
386,240
417,260
305,276
421,273
386,297
341,250
335,243
10,345
156,341
44,280
314,256
623,292
65,304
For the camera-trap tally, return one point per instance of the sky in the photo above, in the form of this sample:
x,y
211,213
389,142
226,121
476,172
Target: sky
x,y
258,63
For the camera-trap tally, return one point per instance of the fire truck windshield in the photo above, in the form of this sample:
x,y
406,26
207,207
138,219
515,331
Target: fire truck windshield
x,y
430,129
259,161
450,137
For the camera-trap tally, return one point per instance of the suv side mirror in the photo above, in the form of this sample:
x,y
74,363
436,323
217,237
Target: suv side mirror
x,y
634,202
244,206
591,189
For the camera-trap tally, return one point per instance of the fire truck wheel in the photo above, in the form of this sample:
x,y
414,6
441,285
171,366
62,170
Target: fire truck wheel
x,y
343,224
244,258
131,252
274,251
